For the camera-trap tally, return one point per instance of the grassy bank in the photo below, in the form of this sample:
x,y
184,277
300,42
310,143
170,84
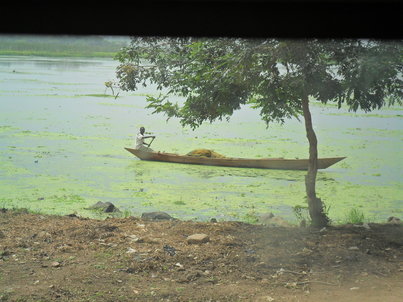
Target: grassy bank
x,y
57,54
352,217
61,46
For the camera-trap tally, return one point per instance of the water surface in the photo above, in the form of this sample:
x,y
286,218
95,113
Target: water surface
x,y
62,139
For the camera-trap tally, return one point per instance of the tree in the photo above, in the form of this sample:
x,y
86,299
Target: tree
x,y
278,77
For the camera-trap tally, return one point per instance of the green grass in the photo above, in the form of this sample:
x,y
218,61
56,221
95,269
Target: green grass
x,y
126,214
60,46
355,216
251,217
302,213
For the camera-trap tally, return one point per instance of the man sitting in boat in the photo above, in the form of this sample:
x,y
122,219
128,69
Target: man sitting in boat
x,y
140,144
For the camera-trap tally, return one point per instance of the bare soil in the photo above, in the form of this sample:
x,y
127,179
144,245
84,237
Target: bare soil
x,y
53,258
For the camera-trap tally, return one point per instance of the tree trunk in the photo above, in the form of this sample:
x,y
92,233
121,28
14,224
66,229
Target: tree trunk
x,y
315,204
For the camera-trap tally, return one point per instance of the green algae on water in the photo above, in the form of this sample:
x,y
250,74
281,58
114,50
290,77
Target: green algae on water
x,y
62,153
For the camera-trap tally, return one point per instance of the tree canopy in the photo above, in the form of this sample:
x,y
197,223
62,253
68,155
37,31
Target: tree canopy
x,y
216,76
278,77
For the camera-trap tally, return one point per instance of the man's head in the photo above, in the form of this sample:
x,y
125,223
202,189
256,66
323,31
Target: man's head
x,y
142,129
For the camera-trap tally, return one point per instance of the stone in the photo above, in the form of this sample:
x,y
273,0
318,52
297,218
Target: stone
x,y
110,208
366,226
131,251
106,207
170,250
156,216
197,239
353,248
55,264
270,220
98,205
394,220
73,215
134,238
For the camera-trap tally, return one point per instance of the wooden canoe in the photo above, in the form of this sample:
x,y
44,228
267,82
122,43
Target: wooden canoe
x,y
263,163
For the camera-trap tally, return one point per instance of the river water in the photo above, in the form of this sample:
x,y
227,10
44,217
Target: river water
x,y
62,136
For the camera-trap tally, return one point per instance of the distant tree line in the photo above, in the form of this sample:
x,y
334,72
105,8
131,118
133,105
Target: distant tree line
x,y
61,45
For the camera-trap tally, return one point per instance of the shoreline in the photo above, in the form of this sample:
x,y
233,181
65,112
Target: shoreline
x,y
267,219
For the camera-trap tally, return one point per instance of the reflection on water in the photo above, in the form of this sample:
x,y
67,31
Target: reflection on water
x,y
64,65
60,140
47,63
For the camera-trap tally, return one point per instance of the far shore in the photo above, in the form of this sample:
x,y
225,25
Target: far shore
x,y
58,54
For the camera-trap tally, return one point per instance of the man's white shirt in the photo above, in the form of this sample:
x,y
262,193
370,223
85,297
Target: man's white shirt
x,y
139,140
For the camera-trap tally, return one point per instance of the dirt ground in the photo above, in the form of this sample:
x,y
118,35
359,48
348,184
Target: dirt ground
x,y
53,258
